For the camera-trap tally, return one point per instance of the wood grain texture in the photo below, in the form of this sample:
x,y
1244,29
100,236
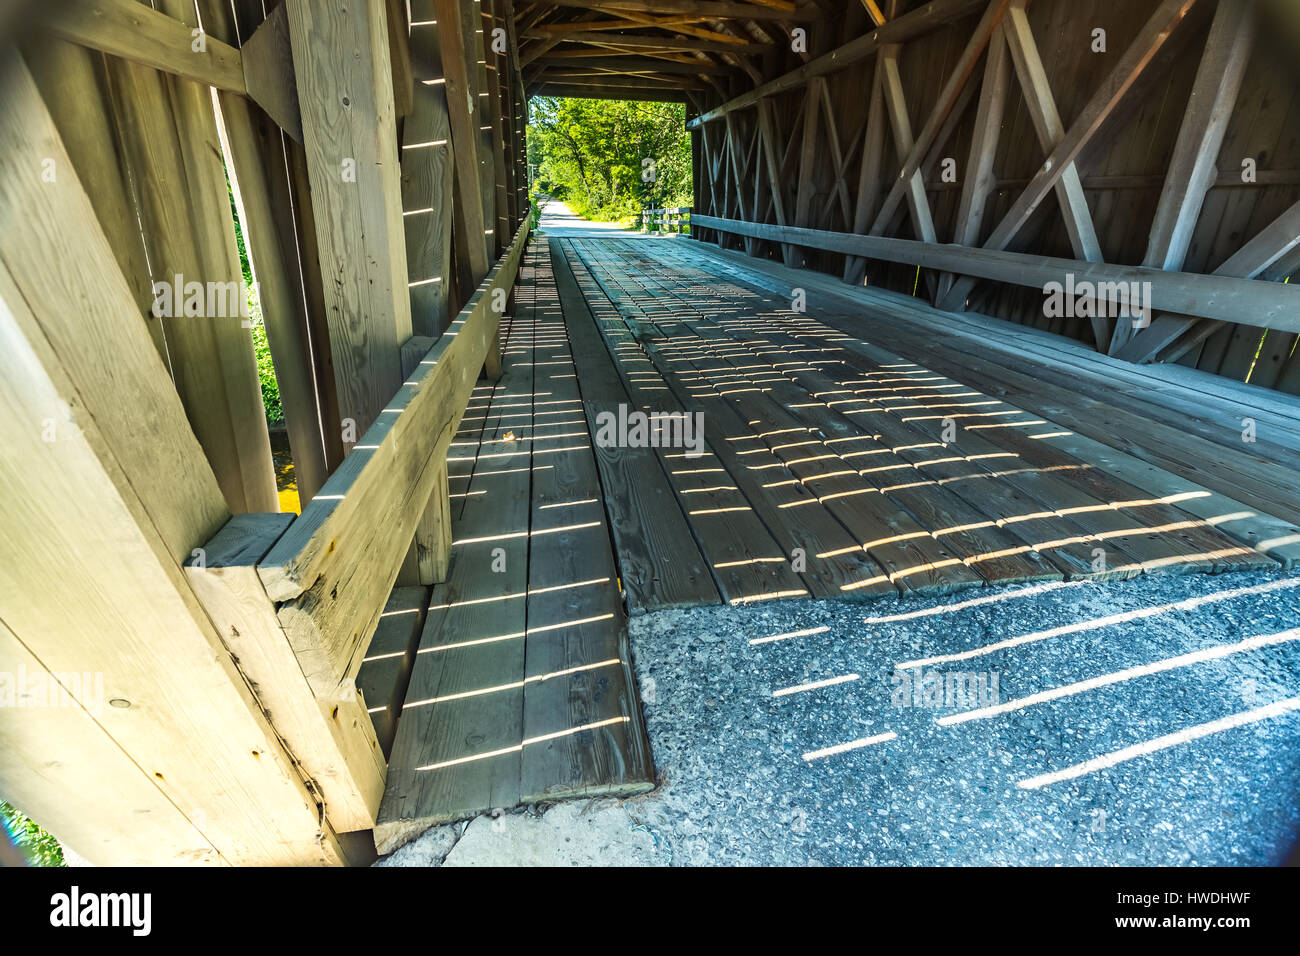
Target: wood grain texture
x,y
385,672
332,739
137,32
350,140
333,568
168,137
1224,297
659,561
136,489
1215,484
268,67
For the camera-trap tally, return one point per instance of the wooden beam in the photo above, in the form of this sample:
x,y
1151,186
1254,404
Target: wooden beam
x,y
428,181
331,738
331,572
463,107
624,23
141,34
980,180
692,31
739,171
70,79
399,57
838,160
616,64
906,184
168,136
1259,304
767,146
870,176
917,204
920,21
494,132
350,140
1047,125
643,42
110,509
1270,244
1149,41
1192,168
610,92
1209,109
626,81
268,68
709,9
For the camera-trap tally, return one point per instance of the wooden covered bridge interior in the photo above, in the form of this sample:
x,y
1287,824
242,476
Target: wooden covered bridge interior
x,y
975,292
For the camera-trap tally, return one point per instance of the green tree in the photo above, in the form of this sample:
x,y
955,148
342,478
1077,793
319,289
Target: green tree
x,y
608,159
40,848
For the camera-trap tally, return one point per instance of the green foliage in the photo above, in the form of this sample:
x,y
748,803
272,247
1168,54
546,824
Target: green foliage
x,y
40,848
265,368
608,159
261,348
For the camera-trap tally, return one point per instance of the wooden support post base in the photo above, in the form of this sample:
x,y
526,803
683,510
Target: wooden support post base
x,y
430,555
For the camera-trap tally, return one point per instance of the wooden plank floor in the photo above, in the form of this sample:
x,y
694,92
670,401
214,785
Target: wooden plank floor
x,y
1170,429
521,688
833,465
940,485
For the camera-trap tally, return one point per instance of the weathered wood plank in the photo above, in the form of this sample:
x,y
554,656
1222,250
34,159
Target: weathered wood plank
x,y
463,107
138,32
268,66
980,179
332,738
350,141
583,734
660,562
1161,467
135,488
460,734
1268,305
259,184
357,530
169,141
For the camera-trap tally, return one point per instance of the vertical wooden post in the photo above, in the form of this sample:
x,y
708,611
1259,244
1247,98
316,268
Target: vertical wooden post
x,y
350,140
259,182
168,136
490,71
428,180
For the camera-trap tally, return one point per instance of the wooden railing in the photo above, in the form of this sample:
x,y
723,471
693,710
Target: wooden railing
x,y
302,597
1219,297
666,220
